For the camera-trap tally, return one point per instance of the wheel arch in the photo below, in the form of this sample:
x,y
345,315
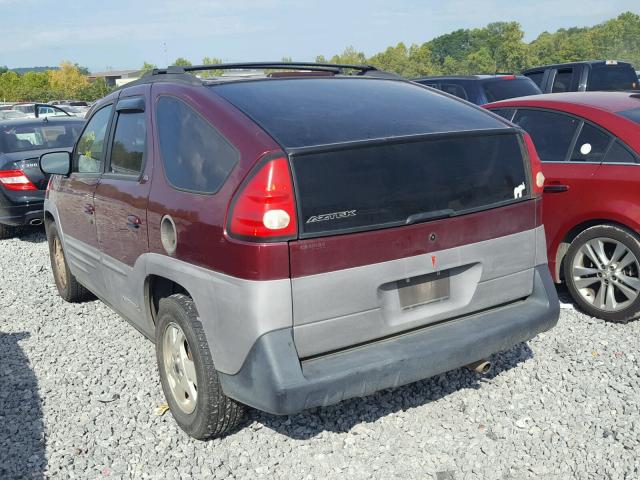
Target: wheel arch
x,y
157,287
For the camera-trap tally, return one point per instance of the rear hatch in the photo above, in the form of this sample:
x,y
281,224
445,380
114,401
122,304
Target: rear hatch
x,y
413,208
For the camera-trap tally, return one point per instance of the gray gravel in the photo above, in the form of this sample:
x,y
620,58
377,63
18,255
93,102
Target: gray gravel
x,y
79,386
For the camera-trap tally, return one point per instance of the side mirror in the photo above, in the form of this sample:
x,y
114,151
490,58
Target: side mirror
x,y
56,163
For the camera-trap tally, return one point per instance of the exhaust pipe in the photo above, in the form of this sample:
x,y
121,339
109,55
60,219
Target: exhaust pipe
x,y
35,221
481,366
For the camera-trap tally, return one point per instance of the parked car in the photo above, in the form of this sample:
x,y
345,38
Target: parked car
x,y
11,114
37,110
589,144
595,75
290,242
481,89
22,184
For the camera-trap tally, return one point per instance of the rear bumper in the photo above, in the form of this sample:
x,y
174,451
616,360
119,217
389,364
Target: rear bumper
x,y
273,379
21,214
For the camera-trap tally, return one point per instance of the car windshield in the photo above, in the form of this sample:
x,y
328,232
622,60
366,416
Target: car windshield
x,y
608,77
503,88
21,138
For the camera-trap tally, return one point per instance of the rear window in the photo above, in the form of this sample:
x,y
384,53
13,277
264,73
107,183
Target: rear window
x,y
612,77
397,183
22,138
301,112
633,114
536,77
504,88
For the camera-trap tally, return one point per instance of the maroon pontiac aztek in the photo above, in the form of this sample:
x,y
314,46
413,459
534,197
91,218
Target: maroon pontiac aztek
x,y
293,239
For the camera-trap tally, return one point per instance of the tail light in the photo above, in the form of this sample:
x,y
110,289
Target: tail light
x,y
264,208
15,180
536,166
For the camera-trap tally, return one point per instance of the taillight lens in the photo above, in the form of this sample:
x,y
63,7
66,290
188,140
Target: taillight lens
x,y
15,180
265,208
536,166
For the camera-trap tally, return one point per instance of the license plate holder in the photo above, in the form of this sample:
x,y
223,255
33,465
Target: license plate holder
x,y
424,289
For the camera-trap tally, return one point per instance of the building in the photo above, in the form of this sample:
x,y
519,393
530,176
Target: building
x,y
115,78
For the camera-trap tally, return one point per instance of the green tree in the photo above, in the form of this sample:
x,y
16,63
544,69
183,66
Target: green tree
x,y
147,67
181,62
211,61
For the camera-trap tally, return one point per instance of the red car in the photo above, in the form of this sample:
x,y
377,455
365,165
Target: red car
x,y
589,143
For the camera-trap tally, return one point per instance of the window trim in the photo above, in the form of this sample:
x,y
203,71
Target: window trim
x,y
159,147
112,134
554,75
77,174
567,160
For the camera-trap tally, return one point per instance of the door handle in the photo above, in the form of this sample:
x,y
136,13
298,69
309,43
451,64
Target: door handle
x,y
133,222
555,188
88,209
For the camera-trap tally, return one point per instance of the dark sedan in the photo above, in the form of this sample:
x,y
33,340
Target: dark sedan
x,y
22,184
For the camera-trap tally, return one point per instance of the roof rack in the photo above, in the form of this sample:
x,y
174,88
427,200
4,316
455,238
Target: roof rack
x,y
310,66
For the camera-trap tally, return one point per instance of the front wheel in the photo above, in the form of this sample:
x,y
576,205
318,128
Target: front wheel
x,y
602,272
68,287
189,378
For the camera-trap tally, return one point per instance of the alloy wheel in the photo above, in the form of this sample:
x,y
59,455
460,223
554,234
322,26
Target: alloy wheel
x,y
606,274
180,369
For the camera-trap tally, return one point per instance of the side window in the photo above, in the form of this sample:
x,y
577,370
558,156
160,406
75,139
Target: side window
x,y
552,133
562,80
88,154
618,153
504,112
129,143
454,89
591,145
196,157
536,77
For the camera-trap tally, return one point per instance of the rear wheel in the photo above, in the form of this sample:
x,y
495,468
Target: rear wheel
x,y
602,272
68,287
189,378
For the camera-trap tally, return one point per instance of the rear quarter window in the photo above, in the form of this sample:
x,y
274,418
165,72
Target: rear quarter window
x,y
196,157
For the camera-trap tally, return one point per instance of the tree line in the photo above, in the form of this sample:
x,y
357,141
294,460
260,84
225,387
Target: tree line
x,y
497,48
69,81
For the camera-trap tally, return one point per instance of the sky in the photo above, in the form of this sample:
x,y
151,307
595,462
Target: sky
x,y
121,34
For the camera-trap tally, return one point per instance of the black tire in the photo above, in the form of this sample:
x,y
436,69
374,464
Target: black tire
x,y
7,231
215,414
68,287
614,233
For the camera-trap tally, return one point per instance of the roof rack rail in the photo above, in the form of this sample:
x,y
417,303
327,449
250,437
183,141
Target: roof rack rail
x,y
311,66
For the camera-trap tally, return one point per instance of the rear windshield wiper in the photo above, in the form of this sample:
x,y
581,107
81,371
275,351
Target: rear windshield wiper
x,y
433,215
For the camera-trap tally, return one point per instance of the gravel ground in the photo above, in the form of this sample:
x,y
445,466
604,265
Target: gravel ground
x,y
79,389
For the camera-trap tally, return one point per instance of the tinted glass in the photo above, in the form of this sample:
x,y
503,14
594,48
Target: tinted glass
x,y
504,112
20,138
633,114
129,143
591,145
89,152
392,184
612,77
454,89
502,89
562,81
536,77
317,111
618,153
552,133
195,156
